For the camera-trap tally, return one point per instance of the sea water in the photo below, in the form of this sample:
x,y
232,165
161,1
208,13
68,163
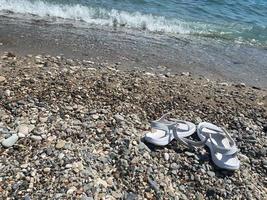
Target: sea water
x,y
239,21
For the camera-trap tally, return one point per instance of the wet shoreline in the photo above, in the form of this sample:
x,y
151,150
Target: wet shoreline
x,y
135,49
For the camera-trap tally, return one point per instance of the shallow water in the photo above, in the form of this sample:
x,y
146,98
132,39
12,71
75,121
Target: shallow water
x,y
134,49
241,21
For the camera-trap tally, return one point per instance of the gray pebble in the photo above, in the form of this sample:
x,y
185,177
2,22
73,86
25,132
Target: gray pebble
x,y
119,117
9,142
166,156
36,137
211,174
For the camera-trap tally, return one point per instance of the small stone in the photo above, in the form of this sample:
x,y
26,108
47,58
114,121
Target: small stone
x,y
110,181
24,129
71,190
2,79
60,144
43,119
243,158
198,120
119,117
47,169
95,116
23,166
9,142
153,185
174,166
166,156
223,84
84,197
99,181
8,93
130,196
77,167
4,130
60,156
36,137
68,166
189,154
142,146
185,74
21,135
211,174
27,197
240,85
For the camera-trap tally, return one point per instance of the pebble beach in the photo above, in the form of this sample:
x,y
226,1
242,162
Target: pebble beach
x,y
73,129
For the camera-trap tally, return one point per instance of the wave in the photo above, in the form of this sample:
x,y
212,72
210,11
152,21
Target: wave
x,y
93,15
102,16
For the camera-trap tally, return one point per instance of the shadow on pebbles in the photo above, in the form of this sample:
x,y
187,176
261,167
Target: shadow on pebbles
x,y
73,129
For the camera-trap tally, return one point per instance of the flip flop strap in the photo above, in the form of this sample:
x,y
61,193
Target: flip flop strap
x,y
216,148
223,150
161,126
220,149
192,143
166,125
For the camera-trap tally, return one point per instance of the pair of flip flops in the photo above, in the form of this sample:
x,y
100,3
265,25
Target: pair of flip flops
x,y
222,147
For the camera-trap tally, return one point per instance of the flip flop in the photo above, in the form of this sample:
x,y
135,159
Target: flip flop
x,y
222,147
163,131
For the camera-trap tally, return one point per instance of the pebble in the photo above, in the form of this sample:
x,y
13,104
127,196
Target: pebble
x,y
21,135
43,119
8,93
60,144
224,84
36,137
60,156
84,197
2,79
27,197
175,166
189,154
24,129
142,146
47,169
211,174
94,157
198,120
4,130
166,156
130,196
71,190
119,117
185,74
9,142
153,185
95,116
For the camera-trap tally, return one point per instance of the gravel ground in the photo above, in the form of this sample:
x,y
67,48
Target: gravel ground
x,y
73,129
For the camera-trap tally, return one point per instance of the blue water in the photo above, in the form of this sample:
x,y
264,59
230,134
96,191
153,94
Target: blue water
x,y
241,21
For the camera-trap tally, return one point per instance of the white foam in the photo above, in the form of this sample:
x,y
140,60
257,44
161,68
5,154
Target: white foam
x,y
97,15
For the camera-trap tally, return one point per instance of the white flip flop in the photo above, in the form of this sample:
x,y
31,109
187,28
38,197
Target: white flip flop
x,y
163,131
222,147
